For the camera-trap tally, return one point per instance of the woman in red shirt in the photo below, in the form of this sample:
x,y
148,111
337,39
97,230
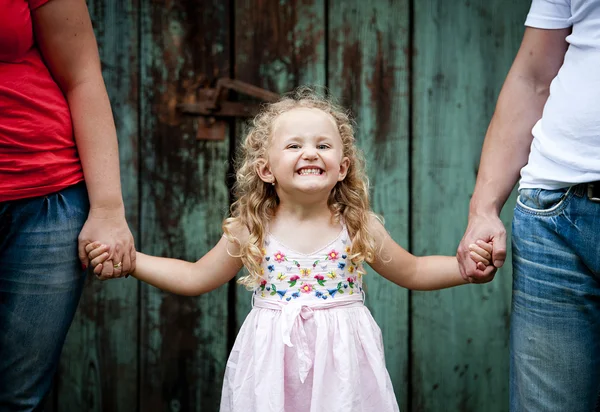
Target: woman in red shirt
x,y
59,186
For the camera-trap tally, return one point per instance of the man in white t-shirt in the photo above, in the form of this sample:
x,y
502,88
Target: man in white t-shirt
x,y
547,127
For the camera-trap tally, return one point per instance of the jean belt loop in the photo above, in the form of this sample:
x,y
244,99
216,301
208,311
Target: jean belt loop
x,y
593,191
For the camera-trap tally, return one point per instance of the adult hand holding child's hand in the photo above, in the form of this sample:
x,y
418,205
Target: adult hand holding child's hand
x,y
486,229
109,228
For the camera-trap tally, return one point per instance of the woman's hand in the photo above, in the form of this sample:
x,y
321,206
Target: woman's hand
x,y
109,228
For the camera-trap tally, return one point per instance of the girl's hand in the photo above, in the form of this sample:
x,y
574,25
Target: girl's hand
x,y
481,253
97,254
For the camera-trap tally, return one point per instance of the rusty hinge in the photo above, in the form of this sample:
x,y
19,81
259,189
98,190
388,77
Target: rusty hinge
x,y
212,106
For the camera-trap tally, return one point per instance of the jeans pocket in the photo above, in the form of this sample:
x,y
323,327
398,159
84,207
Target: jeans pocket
x,y
543,201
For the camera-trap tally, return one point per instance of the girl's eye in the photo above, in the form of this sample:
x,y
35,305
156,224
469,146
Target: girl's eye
x,y
322,146
293,146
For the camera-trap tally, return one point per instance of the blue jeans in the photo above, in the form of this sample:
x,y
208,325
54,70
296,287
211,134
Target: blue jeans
x,y
555,319
41,280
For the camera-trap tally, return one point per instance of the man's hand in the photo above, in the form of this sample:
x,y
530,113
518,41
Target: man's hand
x,y
488,228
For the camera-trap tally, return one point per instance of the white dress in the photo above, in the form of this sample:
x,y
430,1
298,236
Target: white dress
x,y
309,344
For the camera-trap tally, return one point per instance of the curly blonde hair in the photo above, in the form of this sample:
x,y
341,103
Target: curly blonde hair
x,y
256,200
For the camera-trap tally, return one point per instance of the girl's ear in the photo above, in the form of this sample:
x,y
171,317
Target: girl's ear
x,y
264,171
344,165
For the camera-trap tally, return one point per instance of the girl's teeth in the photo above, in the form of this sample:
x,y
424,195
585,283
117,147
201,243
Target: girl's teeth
x,y
310,172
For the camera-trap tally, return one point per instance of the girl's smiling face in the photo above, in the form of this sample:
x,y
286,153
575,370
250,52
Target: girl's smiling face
x,y
305,153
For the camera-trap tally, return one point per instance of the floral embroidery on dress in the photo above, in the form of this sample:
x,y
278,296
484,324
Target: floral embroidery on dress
x,y
333,255
324,275
279,257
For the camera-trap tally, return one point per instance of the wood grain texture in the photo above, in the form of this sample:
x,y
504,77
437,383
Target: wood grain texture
x,y
368,72
279,45
184,46
99,369
463,51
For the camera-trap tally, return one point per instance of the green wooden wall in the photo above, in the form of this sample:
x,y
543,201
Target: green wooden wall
x,y
421,78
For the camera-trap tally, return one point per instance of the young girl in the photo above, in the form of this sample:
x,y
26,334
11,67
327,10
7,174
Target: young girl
x,y
302,227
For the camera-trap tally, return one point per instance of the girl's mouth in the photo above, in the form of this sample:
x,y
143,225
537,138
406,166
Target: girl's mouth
x,y
310,171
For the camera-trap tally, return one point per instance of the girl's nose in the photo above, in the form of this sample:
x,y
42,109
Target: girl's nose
x,y
309,153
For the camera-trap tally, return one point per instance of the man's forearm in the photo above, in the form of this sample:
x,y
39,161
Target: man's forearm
x,y
507,143
520,105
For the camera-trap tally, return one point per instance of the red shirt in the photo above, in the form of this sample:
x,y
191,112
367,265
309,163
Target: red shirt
x,y
37,147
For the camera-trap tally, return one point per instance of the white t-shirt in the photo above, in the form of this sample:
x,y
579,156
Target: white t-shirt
x,y
566,140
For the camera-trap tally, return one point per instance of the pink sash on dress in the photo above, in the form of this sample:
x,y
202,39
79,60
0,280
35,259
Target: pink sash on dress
x,y
294,313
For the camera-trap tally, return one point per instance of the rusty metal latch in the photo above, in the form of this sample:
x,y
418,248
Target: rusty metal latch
x,y
212,106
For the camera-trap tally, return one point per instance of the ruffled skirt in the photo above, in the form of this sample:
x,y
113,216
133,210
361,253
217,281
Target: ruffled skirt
x,y
336,363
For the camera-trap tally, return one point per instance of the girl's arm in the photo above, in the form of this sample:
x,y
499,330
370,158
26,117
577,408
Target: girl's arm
x,y
64,35
416,273
214,269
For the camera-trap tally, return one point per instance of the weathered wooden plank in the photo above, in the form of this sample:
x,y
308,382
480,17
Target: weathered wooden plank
x,y
184,46
279,45
368,70
98,369
460,342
